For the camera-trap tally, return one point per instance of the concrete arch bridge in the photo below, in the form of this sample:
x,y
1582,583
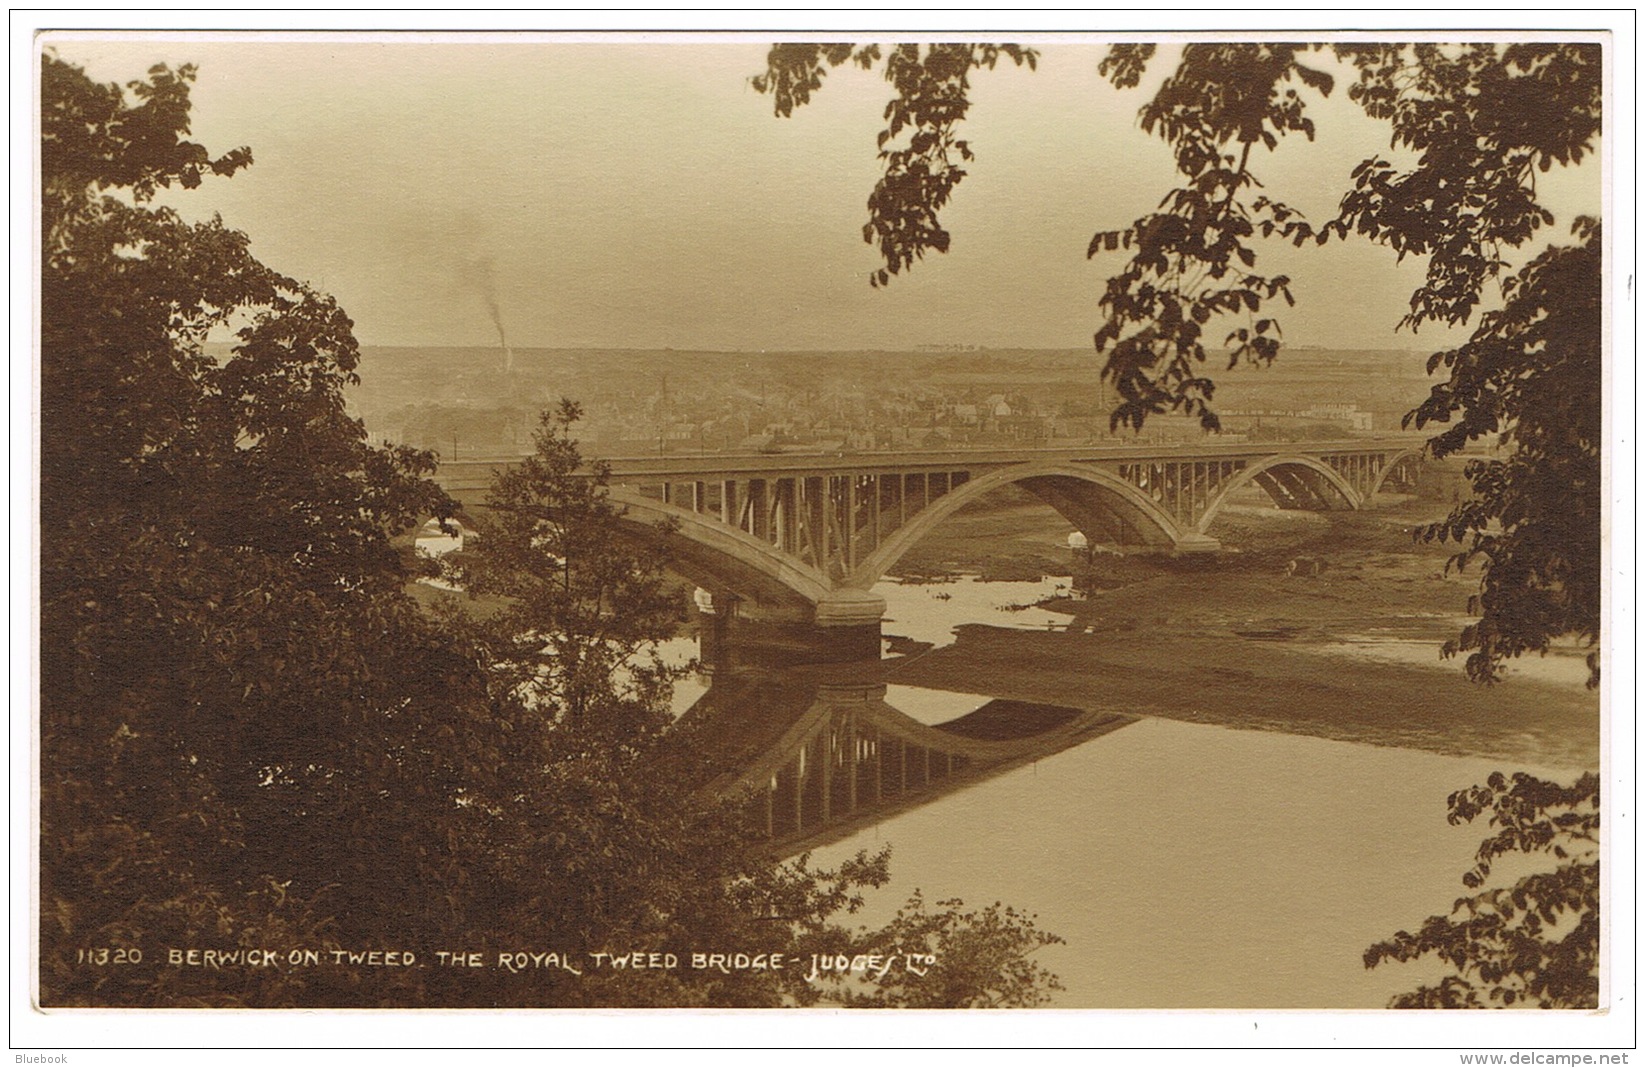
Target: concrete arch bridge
x,y
805,537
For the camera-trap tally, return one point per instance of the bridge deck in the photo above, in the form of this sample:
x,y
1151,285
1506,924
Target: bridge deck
x,y
460,475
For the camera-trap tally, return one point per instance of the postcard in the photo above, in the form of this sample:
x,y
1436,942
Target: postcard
x,y
806,521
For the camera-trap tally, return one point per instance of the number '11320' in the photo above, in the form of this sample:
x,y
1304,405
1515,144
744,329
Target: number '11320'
x,y
105,955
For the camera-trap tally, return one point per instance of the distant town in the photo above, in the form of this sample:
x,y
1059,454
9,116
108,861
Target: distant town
x,y
482,402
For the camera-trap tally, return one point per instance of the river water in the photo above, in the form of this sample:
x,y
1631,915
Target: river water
x,y
1185,865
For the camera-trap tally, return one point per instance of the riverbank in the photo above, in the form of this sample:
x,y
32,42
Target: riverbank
x,y
1350,653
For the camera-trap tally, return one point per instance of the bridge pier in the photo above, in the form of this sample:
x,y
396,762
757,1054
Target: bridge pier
x,y
1193,543
729,638
850,608
843,607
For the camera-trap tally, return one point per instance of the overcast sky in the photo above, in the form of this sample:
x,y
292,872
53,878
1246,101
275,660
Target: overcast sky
x,y
632,194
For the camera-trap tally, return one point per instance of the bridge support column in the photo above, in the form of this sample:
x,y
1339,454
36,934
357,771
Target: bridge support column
x,y
730,641
730,605
840,608
850,608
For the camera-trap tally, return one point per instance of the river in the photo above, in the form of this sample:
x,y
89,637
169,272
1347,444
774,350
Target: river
x,y
1185,865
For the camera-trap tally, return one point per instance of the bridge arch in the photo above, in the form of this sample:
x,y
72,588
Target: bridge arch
x,y
1087,496
1305,475
868,706
1388,468
720,557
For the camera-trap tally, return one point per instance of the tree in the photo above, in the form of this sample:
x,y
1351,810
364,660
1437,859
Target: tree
x,y
1535,943
251,735
239,706
621,841
1483,120
1533,371
580,616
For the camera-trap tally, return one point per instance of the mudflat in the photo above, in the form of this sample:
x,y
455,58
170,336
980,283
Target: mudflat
x,y
1328,625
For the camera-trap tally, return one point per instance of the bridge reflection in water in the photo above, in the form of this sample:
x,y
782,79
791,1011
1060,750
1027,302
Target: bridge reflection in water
x,y
805,731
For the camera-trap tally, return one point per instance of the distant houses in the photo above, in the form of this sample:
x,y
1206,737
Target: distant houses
x,y
1343,416
637,402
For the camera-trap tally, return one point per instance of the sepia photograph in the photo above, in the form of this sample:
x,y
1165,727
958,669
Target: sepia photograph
x,y
814,521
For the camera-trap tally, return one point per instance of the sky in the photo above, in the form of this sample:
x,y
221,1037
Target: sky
x,y
620,192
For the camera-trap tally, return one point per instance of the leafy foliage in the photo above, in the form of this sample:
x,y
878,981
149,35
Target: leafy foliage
x,y
1193,260
1535,943
94,138
228,662
1530,376
251,736
920,156
1484,120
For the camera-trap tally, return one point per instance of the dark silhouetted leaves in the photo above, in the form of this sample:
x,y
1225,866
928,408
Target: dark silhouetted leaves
x,y
919,153
1535,942
1529,381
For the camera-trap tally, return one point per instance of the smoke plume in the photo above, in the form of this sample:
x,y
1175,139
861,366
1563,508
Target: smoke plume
x,y
480,275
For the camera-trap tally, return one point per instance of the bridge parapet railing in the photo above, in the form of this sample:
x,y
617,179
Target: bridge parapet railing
x,y
713,466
